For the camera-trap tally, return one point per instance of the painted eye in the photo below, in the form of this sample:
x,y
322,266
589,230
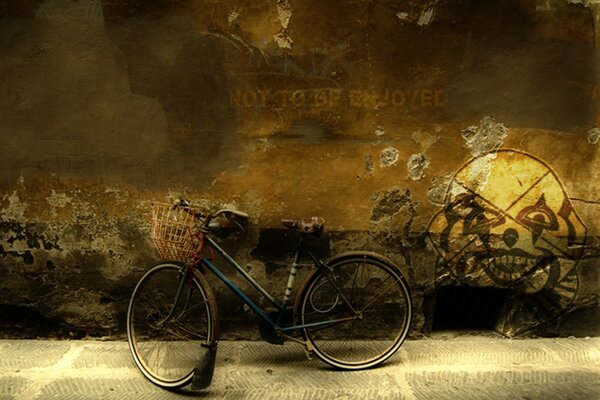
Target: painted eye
x,y
481,220
538,216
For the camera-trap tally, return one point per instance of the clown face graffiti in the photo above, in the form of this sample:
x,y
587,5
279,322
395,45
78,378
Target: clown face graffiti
x,y
508,223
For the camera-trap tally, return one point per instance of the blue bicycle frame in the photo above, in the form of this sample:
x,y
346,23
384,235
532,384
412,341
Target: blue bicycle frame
x,y
281,306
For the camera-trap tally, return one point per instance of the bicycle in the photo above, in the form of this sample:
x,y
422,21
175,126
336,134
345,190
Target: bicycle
x,y
353,311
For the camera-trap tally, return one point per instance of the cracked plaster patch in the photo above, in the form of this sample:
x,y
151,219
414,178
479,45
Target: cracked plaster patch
x,y
488,136
585,3
16,208
389,156
437,191
283,40
284,11
593,136
416,166
478,173
58,199
426,17
233,17
402,16
389,203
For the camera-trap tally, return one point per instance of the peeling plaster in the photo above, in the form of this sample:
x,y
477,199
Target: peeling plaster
x,y
436,193
284,10
389,203
285,13
593,136
488,136
586,3
59,200
16,208
478,174
102,238
232,17
389,156
392,218
402,16
416,165
283,40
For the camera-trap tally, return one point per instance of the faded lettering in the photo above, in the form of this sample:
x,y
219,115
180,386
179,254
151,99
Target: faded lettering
x,y
331,98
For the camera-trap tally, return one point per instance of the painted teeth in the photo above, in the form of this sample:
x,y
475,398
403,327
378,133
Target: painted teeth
x,y
506,267
520,260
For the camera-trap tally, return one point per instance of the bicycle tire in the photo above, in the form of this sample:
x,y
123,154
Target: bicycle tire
x,y
166,350
363,286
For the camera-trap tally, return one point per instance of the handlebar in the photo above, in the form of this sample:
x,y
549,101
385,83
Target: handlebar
x,y
232,212
206,220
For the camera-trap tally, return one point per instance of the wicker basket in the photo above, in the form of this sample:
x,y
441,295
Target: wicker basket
x,y
173,233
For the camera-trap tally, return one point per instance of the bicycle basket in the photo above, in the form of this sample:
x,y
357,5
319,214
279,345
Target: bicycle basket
x,y
172,232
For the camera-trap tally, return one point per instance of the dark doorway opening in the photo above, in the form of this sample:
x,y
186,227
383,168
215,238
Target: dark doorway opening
x,y
468,308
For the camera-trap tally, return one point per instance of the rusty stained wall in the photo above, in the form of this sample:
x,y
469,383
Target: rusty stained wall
x,y
362,112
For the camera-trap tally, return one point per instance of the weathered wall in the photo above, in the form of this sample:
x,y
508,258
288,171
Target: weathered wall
x,y
390,119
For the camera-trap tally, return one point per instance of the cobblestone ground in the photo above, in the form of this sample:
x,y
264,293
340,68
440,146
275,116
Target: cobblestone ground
x,y
464,367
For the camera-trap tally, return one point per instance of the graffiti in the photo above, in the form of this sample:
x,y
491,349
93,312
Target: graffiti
x,y
507,222
337,98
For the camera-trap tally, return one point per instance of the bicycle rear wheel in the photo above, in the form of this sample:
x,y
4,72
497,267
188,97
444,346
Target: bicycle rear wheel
x,y
165,331
360,311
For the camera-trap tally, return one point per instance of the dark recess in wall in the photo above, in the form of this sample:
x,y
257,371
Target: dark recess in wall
x,y
27,323
466,307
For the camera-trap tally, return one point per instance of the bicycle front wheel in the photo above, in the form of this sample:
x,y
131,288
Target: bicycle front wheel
x,y
357,313
167,322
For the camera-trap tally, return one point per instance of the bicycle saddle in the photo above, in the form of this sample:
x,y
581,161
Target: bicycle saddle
x,y
309,226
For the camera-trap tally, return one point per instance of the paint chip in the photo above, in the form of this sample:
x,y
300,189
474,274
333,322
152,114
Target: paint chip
x,y
426,17
233,16
285,12
402,16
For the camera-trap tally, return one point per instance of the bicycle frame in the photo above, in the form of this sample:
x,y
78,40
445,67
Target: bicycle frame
x,y
281,306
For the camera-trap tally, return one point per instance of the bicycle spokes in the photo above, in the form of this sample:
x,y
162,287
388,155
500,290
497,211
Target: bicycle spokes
x,y
356,314
169,316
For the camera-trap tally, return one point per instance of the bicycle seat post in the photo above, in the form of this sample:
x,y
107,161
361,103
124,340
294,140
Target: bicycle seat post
x,y
293,271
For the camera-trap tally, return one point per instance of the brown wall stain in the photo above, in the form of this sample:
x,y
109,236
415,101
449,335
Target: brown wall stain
x,y
361,114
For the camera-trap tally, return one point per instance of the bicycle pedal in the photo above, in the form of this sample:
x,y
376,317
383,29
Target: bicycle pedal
x,y
310,353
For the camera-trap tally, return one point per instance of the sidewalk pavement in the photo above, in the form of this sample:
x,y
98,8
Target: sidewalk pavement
x,y
443,367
